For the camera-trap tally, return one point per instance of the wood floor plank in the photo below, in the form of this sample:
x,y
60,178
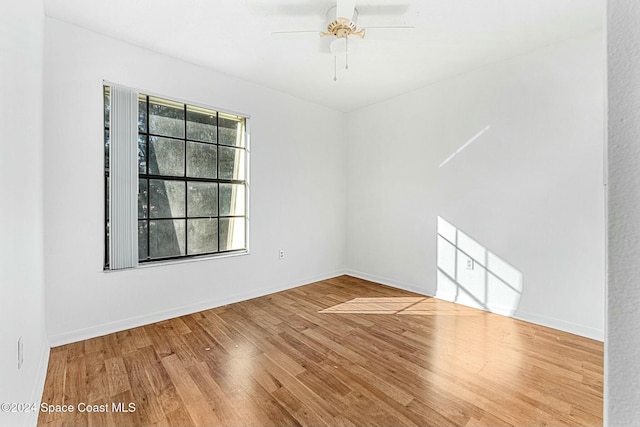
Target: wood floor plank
x,y
75,351
55,389
124,415
154,334
314,409
296,358
216,396
110,345
161,384
126,342
257,406
75,384
140,337
256,333
298,409
176,342
178,417
93,344
195,402
147,401
97,383
99,418
234,343
117,376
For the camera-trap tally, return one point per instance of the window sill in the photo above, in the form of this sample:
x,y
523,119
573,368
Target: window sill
x,y
181,261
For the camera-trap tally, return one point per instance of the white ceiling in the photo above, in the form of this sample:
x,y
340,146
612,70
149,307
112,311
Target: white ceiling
x,y
234,37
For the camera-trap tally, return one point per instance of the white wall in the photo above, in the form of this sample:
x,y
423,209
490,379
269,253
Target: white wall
x,y
622,347
21,265
298,199
528,188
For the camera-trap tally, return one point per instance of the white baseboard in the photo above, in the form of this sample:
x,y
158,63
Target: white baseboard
x,y
387,281
145,319
562,325
548,322
31,418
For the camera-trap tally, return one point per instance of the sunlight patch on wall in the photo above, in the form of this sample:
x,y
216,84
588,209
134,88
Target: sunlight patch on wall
x,y
463,146
470,274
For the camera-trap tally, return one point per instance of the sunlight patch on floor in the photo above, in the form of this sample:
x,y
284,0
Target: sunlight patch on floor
x,y
422,306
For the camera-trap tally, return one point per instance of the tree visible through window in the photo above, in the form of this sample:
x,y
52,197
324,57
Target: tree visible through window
x,y
191,180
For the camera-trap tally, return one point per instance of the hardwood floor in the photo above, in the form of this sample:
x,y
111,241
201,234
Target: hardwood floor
x,y
299,357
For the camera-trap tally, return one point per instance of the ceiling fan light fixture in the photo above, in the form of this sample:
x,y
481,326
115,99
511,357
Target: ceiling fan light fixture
x,y
339,46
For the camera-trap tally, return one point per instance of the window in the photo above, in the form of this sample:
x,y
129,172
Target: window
x,y
192,180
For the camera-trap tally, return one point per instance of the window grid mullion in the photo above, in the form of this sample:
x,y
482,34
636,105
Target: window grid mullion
x,y
186,186
146,170
198,217
218,174
196,179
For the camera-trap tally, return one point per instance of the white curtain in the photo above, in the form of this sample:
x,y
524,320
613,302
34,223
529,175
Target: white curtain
x,y
123,175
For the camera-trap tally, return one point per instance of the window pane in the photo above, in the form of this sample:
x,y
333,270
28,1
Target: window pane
x,y
166,156
231,130
232,234
202,199
231,199
201,160
143,197
107,105
143,241
202,235
142,113
106,149
166,198
166,117
142,154
107,190
106,244
166,238
201,124
231,163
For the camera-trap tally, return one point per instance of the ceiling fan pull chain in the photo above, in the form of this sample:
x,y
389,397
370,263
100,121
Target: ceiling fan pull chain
x,y
346,53
335,68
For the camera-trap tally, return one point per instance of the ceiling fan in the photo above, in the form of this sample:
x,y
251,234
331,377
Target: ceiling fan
x,y
342,24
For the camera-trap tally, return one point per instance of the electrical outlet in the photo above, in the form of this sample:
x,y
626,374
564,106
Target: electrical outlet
x,y
470,264
281,254
20,353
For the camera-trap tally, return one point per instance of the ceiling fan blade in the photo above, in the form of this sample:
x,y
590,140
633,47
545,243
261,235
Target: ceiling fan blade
x,y
294,32
345,9
390,27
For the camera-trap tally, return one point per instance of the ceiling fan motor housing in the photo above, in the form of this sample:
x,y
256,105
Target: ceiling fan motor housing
x,y
340,26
